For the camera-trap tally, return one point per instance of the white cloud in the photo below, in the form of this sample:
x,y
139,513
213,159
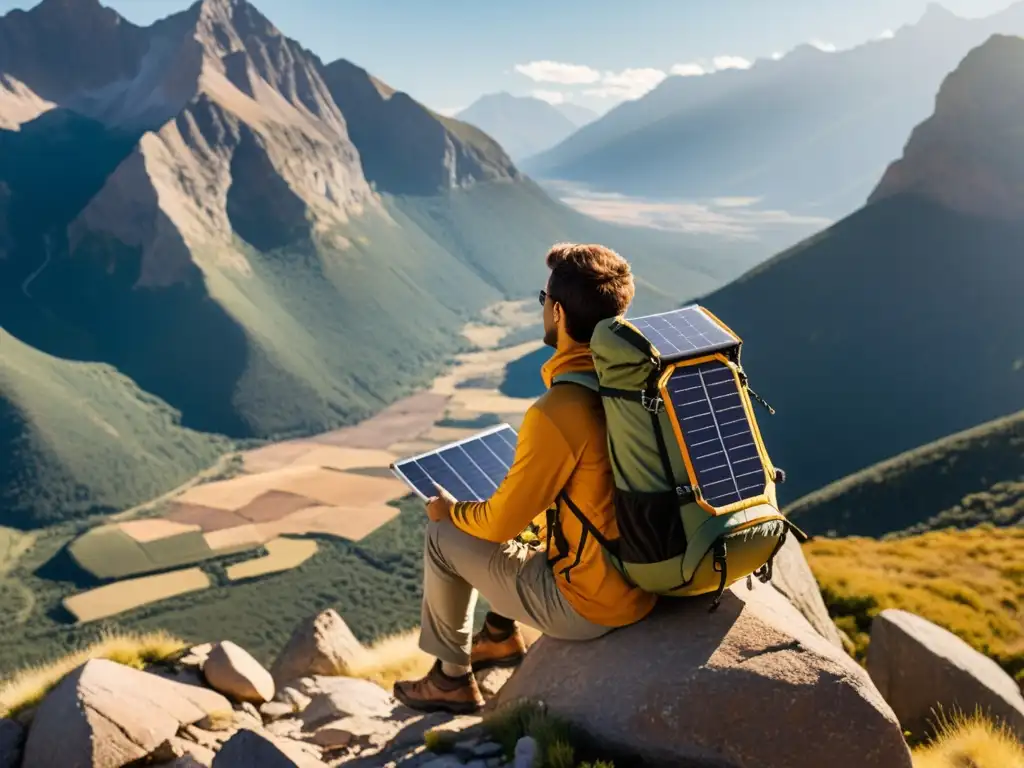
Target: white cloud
x,y
630,83
777,55
559,72
730,62
688,70
551,97
641,77
823,46
449,111
887,34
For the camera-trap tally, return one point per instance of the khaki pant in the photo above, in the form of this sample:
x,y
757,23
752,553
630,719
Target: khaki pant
x,y
515,580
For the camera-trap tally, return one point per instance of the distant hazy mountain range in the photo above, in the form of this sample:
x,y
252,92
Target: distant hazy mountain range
x,y
809,133
902,323
205,230
524,125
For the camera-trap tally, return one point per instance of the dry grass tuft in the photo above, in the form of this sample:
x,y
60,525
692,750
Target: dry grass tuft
x,y
971,741
398,657
969,581
394,657
218,720
26,688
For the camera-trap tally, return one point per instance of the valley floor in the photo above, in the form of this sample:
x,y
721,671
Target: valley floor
x,y
275,518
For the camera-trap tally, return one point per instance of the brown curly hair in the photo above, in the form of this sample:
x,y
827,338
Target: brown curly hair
x,y
591,282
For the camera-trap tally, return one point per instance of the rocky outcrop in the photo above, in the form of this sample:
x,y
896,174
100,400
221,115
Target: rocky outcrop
x,y
793,578
963,156
334,698
19,104
405,148
751,684
231,670
246,141
321,645
248,748
109,714
923,670
61,48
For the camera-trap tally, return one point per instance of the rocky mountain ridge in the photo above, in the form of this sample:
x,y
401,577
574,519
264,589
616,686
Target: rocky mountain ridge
x,y
959,157
216,91
208,208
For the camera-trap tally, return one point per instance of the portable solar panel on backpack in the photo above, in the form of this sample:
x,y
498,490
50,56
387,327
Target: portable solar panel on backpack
x,y
695,498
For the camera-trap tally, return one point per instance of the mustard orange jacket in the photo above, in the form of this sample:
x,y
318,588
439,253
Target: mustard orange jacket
x,y
562,446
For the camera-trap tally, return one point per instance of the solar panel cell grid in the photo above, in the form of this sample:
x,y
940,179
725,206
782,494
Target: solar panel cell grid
x,y
717,432
684,332
471,470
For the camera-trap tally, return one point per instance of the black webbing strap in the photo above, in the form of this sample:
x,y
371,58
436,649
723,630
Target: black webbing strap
x,y
764,573
585,521
720,565
579,555
659,436
555,531
589,529
621,394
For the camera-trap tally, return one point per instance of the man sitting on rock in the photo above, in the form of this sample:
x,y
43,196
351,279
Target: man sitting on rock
x,y
471,547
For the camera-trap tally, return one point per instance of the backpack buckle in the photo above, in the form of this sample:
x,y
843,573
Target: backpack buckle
x,y
651,404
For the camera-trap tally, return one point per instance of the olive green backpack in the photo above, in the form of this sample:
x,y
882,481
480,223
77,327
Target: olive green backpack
x,y
695,500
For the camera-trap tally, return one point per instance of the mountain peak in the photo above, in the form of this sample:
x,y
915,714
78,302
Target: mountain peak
x,y
239,13
965,155
52,7
404,147
937,13
61,47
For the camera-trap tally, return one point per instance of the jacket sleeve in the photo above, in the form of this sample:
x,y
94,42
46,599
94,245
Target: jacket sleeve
x,y
542,465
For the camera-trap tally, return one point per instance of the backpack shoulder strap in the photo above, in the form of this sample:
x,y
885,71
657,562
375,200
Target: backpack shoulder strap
x,y
586,379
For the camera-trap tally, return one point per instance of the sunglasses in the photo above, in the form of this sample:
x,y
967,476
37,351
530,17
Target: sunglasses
x,y
544,296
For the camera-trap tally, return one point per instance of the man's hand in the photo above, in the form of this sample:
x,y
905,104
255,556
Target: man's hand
x,y
440,507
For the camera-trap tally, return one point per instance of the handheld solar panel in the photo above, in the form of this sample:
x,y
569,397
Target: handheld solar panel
x,y
685,332
722,450
469,469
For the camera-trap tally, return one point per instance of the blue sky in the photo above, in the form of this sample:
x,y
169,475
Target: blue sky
x,y
593,52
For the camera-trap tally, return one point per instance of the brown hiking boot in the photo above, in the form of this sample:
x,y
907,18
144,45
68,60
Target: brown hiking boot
x,y
491,650
439,693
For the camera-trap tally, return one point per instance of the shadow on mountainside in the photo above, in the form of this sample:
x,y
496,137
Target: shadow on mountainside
x,y
174,341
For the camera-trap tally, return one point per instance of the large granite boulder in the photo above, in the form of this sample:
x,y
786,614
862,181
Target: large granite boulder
x,y
320,645
105,714
249,749
923,670
332,698
752,685
792,576
231,670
